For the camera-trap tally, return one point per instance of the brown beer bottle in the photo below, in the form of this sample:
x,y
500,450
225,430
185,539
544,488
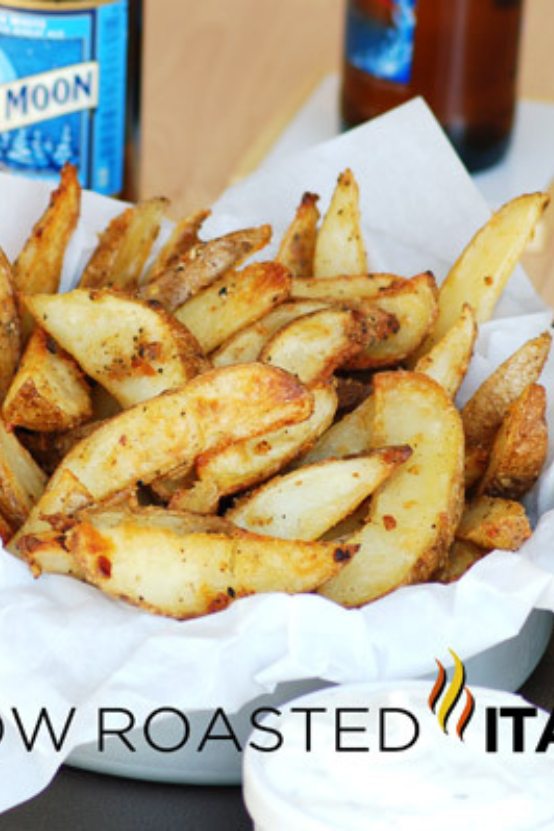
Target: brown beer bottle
x,y
460,55
70,90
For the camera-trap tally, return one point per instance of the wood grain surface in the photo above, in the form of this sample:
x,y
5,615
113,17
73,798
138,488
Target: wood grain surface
x,y
223,76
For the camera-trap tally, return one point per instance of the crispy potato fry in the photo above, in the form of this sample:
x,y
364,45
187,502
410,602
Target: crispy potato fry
x,y
448,361
123,248
22,482
483,269
171,571
475,464
340,246
10,335
494,523
183,237
202,265
38,267
352,434
201,497
461,556
485,411
297,248
246,345
6,530
414,306
414,514
313,346
305,504
49,392
345,288
248,462
133,350
234,301
520,447
163,433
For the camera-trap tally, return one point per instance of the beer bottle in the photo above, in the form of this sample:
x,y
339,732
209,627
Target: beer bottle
x,y
70,90
460,55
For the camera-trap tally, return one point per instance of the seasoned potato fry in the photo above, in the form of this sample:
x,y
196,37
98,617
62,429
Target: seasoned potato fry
x,y
340,246
246,345
313,346
202,265
352,434
248,462
171,571
481,272
49,392
494,523
414,514
38,267
163,433
123,248
345,288
234,301
10,335
133,350
183,237
22,482
475,465
520,447
297,248
448,361
485,411
45,553
461,556
414,306
305,504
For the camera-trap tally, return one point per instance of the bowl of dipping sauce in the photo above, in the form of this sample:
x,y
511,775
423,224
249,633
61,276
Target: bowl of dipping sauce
x,y
410,756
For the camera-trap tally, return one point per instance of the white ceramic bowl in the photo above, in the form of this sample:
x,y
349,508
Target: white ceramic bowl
x,y
505,666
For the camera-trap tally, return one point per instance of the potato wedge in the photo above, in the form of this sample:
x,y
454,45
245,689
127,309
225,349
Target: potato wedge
x,y
479,275
163,433
133,350
352,434
38,267
414,306
520,447
202,265
461,556
49,392
340,246
246,345
313,346
173,572
10,334
248,462
448,361
123,248
415,513
484,412
494,523
297,248
305,504
345,288
233,302
183,237
22,482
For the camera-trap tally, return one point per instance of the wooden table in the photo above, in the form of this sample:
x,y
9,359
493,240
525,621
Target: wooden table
x,y
220,77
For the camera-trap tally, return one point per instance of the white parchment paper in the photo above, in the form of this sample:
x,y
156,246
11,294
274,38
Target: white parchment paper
x,y
64,645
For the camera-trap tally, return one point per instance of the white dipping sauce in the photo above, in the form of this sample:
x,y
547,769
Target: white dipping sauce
x,y
438,783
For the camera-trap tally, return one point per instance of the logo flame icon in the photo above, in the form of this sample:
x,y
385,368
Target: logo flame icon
x,y
452,696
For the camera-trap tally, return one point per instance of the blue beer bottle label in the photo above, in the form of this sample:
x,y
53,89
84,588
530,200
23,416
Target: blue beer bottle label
x,y
63,77
380,38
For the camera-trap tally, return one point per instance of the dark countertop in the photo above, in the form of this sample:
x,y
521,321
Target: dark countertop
x,y
86,801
